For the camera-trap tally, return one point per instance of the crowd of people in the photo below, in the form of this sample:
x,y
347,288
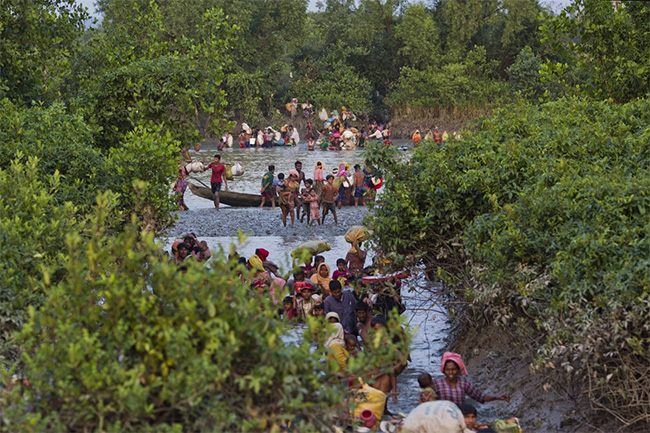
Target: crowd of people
x,y
357,304
314,198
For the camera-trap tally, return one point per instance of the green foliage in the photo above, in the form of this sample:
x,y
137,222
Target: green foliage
x,y
37,37
32,234
525,75
463,85
420,38
603,48
142,168
174,84
542,215
129,342
62,142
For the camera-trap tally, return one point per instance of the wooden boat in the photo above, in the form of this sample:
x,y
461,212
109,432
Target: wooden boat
x,y
242,199
236,199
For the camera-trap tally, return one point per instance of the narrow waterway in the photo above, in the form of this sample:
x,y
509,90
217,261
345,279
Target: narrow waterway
x,y
220,228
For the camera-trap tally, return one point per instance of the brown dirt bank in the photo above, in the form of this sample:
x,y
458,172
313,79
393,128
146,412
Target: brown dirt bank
x,y
501,363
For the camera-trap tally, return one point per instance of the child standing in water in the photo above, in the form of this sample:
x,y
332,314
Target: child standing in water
x,y
314,207
305,193
319,169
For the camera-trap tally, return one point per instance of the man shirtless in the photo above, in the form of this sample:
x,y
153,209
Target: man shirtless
x,y
329,195
359,181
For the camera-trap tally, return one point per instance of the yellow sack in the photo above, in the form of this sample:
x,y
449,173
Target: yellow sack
x,y
228,172
357,233
445,136
313,247
370,398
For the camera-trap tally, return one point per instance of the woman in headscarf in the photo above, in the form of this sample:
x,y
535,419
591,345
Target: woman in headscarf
x,y
268,265
454,387
336,344
322,279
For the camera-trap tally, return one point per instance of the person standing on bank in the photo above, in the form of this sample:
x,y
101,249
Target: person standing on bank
x,y
218,177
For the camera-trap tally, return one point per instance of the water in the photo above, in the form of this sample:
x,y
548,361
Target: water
x,y
426,320
256,161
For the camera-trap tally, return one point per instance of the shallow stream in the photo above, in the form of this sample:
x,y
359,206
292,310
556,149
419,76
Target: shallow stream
x,y
219,229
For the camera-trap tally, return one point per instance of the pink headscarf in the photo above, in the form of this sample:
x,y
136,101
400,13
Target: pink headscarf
x,y
341,171
451,356
293,172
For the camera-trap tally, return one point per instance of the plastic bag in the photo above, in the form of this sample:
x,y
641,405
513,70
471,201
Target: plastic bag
x,y
237,169
369,398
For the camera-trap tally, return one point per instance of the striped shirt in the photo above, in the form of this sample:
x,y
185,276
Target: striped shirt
x,y
456,393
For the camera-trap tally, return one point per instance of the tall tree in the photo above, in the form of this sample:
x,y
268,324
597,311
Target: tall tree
x,y
37,38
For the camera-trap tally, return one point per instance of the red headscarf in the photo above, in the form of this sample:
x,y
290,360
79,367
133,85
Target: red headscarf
x,y
455,357
262,254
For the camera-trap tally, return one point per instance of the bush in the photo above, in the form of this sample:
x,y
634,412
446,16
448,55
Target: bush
x,y
128,342
541,214
32,234
142,169
62,142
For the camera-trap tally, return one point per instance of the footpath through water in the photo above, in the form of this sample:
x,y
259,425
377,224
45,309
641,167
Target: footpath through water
x,y
220,228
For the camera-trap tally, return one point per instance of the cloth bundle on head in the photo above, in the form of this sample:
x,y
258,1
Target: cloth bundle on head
x,y
319,164
456,358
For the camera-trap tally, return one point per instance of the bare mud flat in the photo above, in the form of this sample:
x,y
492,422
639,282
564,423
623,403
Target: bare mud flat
x,y
227,221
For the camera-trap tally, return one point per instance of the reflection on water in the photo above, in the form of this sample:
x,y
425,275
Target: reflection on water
x,y
430,328
256,161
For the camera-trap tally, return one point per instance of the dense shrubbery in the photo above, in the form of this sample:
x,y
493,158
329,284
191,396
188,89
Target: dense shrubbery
x,y
32,234
128,342
541,213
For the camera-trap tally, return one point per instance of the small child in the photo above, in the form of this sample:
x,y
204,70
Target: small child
x,y
288,310
204,253
304,304
317,261
469,412
305,193
341,272
426,383
280,185
318,311
351,344
314,207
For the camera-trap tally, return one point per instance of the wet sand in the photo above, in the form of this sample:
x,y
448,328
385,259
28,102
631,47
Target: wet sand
x,y
227,221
